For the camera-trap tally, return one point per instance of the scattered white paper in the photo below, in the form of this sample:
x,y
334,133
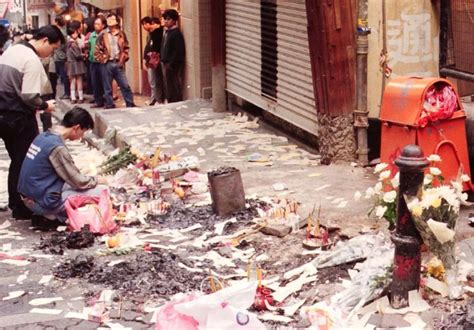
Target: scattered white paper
x,y
219,227
44,301
76,315
14,294
5,225
20,279
15,262
292,287
115,262
45,279
191,228
291,310
46,311
438,286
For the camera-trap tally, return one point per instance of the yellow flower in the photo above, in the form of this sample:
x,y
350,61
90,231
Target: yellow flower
x,y
417,211
436,203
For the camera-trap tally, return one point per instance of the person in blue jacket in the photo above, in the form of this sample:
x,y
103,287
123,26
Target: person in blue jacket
x,y
48,174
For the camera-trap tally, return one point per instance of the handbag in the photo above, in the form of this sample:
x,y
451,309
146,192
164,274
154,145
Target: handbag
x,y
153,60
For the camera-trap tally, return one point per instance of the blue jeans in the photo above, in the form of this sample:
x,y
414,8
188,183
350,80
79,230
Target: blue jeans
x,y
60,212
97,87
113,71
61,72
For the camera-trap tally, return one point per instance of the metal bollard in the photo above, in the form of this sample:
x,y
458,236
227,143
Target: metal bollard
x,y
407,240
227,190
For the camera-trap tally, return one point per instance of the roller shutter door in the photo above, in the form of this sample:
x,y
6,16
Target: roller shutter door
x,y
267,58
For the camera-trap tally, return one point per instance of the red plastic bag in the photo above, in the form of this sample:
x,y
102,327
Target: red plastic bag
x,y
440,103
93,211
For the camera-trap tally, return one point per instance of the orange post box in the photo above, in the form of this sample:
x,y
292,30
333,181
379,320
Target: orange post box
x,y
402,106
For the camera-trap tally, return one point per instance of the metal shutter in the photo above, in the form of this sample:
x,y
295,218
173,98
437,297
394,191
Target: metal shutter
x,y
294,98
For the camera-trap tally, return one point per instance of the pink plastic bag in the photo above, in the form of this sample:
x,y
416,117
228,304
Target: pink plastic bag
x,y
98,215
168,318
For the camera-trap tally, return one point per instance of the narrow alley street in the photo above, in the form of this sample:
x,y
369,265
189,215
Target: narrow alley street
x,y
236,164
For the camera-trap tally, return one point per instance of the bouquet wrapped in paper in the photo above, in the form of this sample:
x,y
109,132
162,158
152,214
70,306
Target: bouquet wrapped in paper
x,y
435,215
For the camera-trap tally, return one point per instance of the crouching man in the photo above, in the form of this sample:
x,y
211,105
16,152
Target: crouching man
x,y
48,174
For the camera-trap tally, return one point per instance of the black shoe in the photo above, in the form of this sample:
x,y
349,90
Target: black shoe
x,y
22,213
95,106
41,223
133,105
152,102
65,97
109,107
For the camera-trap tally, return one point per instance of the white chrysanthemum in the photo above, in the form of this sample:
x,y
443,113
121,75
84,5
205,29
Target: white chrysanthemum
x,y
385,175
435,171
434,158
380,211
465,178
456,185
369,193
429,196
390,196
357,195
396,180
449,195
428,179
380,167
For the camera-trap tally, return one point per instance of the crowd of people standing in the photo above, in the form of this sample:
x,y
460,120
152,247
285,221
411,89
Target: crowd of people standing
x,y
92,59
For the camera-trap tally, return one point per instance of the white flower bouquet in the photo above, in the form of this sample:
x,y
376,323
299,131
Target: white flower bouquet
x,y
435,214
384,194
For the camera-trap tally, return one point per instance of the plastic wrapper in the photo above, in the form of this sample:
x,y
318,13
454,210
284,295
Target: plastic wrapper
x,y
440,103
357,248
167,318
224,309
374,276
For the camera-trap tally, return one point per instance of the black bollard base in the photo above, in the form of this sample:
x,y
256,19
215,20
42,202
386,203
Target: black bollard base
x,y
406,271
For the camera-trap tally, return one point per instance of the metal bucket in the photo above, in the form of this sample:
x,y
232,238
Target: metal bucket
x,y
227,190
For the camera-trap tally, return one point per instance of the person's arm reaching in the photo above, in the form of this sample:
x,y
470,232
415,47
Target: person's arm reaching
x,y
64,166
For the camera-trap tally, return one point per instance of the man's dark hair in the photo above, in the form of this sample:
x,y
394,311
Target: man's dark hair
x,y
51,32
155,20
76,25
146,20
102,19
78,116
171,13
60,21
71,31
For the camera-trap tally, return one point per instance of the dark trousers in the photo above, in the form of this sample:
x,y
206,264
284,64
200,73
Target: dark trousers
x,y
97,87
61,71
113,71
17,130
53,79
88,89
173,81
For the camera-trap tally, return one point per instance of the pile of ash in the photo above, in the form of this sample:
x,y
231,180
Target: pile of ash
x,y
180,217
57,242
151,274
